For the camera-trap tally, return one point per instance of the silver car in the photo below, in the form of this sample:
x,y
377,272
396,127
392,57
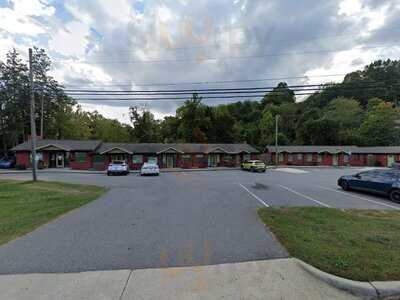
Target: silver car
x,y
117,167
150,169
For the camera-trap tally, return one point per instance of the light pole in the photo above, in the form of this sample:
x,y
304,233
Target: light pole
x,y
33,124
276,140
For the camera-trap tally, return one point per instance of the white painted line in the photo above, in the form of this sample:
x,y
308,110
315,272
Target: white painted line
x,y
357,197
291,170
257,198
304,196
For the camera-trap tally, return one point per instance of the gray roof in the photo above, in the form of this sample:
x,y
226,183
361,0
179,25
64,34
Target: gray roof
x,y
334,149
68,145
99,147
378,150
184,148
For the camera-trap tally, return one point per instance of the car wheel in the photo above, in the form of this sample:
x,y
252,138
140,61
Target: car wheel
x,y
252,170
108,173
395,195
345,185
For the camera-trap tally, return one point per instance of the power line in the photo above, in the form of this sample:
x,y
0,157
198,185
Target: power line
x,y
209,82
201,59
191,91
176,98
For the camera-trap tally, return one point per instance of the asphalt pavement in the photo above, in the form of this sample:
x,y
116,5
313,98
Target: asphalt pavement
x,y
174,220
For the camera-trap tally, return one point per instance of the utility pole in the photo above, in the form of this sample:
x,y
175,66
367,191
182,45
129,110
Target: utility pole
x,y
33,124
276,140
41,116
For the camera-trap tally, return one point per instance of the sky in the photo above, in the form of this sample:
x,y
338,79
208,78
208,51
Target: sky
x,y
184,44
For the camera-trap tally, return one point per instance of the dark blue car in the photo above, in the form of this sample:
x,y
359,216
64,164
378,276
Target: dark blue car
x,y
385,182
7,163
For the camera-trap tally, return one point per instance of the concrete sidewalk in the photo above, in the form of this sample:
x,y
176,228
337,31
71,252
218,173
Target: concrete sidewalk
x,y
271,279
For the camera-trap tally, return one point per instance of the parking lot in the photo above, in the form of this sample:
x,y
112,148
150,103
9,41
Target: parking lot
x,y
176,219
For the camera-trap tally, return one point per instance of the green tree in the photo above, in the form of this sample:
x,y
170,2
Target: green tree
x,y
281,94
193,123
381,126
145,126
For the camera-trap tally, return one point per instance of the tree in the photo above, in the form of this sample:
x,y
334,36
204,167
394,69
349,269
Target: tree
x,y
267,128
169,129
322,131
381,126
348,114
281,94
193,123
145,127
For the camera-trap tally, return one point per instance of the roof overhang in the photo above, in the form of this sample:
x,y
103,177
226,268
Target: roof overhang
x,y
55,146
217,150
116,148
334,152
169,150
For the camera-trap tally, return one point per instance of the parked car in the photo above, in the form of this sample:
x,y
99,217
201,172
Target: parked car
x,y
385,182
395,165
150,169
253,166
7,163
117,167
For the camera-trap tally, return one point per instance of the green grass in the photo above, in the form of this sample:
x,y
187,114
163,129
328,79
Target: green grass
x,y
26,205
356,244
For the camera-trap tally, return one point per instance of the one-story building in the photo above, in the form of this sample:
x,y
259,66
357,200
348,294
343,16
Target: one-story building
x,y
85,155
333,155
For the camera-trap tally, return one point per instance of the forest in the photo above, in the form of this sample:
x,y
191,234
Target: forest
x,y
361,110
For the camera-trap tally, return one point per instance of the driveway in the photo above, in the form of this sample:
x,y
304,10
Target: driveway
x,y
176,219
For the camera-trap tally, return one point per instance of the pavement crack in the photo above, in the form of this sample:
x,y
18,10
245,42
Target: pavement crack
x,y
125,285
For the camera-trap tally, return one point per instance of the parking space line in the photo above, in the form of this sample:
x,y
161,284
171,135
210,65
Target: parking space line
x,y
254,196
358,197
304,196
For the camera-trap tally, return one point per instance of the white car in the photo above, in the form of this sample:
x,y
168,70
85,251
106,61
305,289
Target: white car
x,y
150,169
117,167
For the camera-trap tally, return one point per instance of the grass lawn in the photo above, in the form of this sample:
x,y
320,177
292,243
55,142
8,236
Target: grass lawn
x,y
26,205
356,244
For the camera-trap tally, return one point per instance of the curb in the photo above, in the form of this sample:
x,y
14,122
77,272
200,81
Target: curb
x,y
365,290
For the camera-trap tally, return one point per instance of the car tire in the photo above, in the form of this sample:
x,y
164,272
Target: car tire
x,y
252,170
108,174
394,195
345,185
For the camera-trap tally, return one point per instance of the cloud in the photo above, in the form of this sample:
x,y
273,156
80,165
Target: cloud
x,y
123,44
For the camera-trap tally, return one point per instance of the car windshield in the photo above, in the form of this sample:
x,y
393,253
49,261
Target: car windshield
x,y
118,162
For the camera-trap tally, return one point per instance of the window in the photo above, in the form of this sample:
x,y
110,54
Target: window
x,y
346,158
227,157
80,157
152,159
309,157
99,159
137,158
280,157
246,156
290,157
186,157
299,156
199,155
